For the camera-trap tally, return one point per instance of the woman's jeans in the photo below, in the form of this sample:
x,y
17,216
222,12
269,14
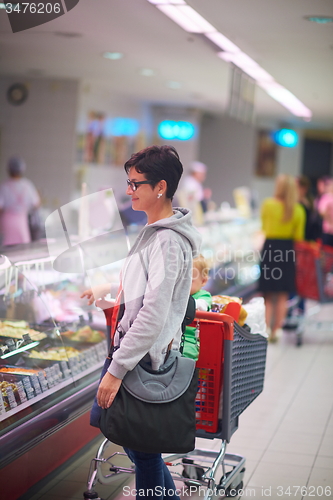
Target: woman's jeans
x,y
152,477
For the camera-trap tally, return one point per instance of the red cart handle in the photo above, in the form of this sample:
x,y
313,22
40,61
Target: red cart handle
x,y
207,316
219,318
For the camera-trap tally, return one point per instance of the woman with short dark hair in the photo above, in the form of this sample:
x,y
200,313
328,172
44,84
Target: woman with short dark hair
x,y
155,283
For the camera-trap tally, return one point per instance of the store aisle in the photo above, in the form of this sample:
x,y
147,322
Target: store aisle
x,y
286,435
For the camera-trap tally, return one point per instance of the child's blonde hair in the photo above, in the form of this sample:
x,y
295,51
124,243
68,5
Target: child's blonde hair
x,y
201,264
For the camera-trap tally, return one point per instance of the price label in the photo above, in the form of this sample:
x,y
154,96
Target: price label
x,y
83,361
58,372
65,370
28,387
21,391
11,398
74,365
55,375
43,381
2,405
36,384
49,377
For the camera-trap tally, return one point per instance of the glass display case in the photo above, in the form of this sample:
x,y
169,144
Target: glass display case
x,y
52,347
232,249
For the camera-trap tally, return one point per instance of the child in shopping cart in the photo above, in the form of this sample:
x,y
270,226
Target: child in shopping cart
x,y
203,302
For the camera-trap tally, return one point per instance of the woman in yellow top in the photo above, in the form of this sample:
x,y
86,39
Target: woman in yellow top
x,y
283,222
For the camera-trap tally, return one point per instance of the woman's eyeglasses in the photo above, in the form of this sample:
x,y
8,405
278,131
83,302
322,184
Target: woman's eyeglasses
x,y
134,185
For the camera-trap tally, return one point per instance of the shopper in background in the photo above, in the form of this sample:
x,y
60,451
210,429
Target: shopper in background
x,y
325,208
156,281
18,196
192,194
313,220
283,222
321,190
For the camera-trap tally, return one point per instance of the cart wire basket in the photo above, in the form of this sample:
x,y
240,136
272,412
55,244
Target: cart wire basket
x,y
231,369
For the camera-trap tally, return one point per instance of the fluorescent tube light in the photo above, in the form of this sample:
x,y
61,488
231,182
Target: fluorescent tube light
x,y
170,2
258,74
239,58
287,99
248,65
184,17
223,42
203,25
179,18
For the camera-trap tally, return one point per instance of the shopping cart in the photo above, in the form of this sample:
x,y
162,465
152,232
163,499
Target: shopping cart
x,y
231,375
314,271
314,280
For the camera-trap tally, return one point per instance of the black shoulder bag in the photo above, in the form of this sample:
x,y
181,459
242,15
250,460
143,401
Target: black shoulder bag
x,y
147,398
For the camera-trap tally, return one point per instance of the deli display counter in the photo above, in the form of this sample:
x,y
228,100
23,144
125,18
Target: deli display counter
x,y
52,348
52,345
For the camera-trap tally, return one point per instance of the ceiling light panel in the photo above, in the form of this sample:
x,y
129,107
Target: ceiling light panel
x,y
240,59
258,74
170,2
248,65
287,99
113,55
179,17
203,25
222,41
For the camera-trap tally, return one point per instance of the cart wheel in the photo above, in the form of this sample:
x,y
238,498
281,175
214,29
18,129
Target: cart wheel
x,y
234,492
88,495
299,338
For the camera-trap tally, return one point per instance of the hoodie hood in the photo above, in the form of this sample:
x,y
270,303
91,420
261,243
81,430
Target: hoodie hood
x,y
180,222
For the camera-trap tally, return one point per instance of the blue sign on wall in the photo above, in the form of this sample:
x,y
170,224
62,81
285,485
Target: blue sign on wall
x,y
121,126
170,129
286,138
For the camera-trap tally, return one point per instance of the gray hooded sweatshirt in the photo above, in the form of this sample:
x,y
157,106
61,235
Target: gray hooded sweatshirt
x,y
156,281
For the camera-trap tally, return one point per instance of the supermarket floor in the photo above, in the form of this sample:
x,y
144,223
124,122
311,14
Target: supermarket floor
x,y
286,434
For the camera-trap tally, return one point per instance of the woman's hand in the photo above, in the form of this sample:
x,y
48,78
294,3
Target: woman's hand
x,y
107,390
90,296
96,292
